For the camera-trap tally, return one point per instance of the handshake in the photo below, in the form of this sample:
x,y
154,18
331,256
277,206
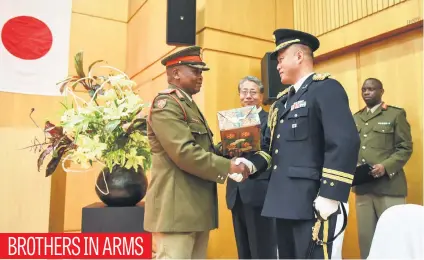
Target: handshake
x,y
240,169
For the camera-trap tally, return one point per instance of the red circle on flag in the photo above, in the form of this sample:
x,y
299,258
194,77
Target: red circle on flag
x,y
26,37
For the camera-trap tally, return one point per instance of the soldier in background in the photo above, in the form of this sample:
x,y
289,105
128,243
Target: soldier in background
x,y
181,202
255,234
386,145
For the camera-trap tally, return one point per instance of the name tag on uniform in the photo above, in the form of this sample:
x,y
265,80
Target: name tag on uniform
x,y
298,104
384,123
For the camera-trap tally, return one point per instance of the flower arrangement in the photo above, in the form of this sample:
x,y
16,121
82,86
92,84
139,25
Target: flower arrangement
x,y
109,128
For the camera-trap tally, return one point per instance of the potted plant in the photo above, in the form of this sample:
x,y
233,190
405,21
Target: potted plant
x,y
107,128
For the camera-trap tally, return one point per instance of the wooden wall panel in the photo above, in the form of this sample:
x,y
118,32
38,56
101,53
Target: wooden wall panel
x,y
343,69
255,18
134,6
284,14
342,23
233,43
321,16
24,192
93,36
116,10
147,37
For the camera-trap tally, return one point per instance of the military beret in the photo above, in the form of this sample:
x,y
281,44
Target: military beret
x,y
189,56
286,37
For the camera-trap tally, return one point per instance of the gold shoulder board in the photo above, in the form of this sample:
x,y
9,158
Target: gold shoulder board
x,y
321,76
282,93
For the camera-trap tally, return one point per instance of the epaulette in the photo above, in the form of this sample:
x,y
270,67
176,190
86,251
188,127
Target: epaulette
x,y
162,103
320,76
172,90
360,110
393,107
282,93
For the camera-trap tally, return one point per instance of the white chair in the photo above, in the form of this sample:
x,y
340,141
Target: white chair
x,y
399,233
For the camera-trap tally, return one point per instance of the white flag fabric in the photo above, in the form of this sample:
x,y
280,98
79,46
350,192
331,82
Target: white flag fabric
x,y
34,45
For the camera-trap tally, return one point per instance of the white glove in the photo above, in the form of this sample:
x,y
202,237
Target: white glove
x,y
326,207
248,163
238,177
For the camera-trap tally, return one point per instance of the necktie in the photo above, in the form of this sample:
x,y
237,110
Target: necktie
x,y
291,93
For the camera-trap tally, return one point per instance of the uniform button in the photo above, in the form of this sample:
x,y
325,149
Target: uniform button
x,y
275,167
363,160
281,121
382,130
325,181
332,184
276,151
295,115
366,123
363,147
278,136
365,135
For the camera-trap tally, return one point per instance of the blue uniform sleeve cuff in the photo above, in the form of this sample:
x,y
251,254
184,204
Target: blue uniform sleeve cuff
x,y
335,184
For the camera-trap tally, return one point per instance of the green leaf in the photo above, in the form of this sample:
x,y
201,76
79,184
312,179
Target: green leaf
x,y
78,61
112,125
92,64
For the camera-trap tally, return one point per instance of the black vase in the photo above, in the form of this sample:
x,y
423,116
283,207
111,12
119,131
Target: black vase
x,y
122,187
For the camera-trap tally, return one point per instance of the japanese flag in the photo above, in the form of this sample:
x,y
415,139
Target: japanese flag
x,y
34,45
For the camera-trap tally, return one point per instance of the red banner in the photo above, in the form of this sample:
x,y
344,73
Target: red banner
x,y
75,246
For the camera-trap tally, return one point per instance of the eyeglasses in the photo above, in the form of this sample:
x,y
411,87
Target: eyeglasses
x,y
245,92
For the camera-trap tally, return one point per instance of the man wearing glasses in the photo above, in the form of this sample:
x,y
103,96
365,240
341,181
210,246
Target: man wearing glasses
x,y
255,234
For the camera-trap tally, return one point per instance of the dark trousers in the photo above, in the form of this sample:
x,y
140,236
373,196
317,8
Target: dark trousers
x,y
294,236
255,234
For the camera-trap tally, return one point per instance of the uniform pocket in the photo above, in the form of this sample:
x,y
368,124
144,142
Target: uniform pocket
x,y
382,137
297,124
303,173
197,129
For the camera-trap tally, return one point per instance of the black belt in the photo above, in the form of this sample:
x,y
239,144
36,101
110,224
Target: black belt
x,y
317,227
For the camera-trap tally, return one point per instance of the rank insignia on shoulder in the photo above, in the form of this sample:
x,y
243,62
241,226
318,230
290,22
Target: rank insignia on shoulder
x,y
172,90
282,93
321,76
167,91
161,103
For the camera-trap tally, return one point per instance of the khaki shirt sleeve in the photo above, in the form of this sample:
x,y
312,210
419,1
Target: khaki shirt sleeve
x,y
175,136
403,146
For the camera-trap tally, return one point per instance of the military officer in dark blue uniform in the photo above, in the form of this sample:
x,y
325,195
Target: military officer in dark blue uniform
x,y
312,149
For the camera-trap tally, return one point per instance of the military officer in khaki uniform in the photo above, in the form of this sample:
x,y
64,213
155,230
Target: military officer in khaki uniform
x,y
386,145
181,201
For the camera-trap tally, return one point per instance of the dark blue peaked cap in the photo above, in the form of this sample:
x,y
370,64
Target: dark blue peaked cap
x,y
285,37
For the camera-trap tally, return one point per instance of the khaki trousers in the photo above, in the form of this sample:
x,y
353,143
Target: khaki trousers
x,y
186,245
369,208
